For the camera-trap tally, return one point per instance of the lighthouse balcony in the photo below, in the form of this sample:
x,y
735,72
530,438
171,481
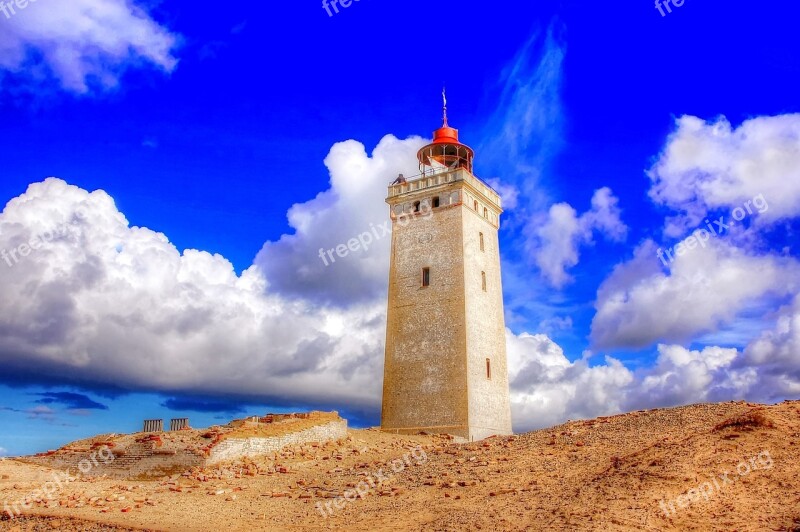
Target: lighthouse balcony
x,y
430,180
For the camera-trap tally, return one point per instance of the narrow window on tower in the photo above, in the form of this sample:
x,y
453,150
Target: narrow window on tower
x,y
426,276
481,239
436,202
476,205
485,212
483,280
488,369
416,206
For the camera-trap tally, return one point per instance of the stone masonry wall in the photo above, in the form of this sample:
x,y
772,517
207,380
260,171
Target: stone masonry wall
x,y
439,337
489,404
425,388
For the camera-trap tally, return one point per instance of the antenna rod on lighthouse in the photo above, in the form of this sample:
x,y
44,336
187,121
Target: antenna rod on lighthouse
x,y
444,98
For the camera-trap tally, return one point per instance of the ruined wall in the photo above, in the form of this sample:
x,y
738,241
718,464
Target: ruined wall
x,y
137,459
168,453
235,448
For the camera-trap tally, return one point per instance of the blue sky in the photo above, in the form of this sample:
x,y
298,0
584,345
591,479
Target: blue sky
x,y
254,134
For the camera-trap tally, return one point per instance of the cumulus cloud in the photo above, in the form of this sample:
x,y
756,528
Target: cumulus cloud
x,y
559,236
546,388
89,299
352,207
81,43
707,169
722,287
776,352
640,303
682,376
711,166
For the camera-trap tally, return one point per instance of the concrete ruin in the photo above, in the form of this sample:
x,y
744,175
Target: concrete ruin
x,y
156,454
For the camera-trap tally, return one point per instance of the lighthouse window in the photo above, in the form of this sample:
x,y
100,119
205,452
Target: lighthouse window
x,y
481,239
483,280
426,276
436,202
488,369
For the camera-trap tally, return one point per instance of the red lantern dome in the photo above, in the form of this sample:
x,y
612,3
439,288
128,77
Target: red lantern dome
x,y
445,153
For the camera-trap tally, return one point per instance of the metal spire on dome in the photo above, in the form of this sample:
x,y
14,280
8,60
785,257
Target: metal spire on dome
x,y
444,98
445,151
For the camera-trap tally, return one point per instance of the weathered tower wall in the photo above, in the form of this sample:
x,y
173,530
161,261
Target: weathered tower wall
x,y
440,336
487,375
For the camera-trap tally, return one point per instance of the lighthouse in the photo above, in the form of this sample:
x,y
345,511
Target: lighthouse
x,y
445,364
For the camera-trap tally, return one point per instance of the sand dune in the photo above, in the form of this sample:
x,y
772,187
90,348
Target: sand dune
x,y
729,466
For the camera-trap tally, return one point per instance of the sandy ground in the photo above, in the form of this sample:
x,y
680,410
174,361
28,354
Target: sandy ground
x,y
730,466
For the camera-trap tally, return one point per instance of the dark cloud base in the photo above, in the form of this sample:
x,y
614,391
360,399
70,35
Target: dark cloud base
x,y
71,400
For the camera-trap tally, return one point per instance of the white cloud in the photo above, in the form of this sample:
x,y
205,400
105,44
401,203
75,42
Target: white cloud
x,y
711,166
106,303
521,139
558,238
509,194
682,376
525,131
546,388
721,290
556,323
354,205
102,302
44,413
640,303
777,354
709,169
82,43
